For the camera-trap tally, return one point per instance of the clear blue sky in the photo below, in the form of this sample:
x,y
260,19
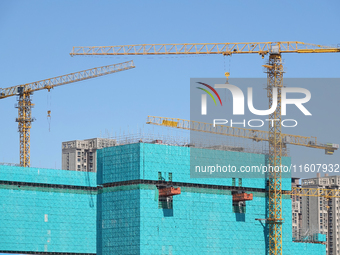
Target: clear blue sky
x,y
37,36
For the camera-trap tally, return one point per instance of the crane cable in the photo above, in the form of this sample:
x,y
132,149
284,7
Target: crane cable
x,y
227,74
49,100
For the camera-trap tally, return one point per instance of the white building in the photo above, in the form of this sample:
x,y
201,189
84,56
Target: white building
x,y
321,214
296,211
81,155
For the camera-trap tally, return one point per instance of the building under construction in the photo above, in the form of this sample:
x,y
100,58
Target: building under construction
x,y
142,200
139,197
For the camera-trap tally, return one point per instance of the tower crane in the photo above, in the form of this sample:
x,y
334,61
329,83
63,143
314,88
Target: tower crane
x,y
314,192
253,134
326,193
24,92
274,71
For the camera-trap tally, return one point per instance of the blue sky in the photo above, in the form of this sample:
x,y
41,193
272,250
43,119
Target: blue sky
x,y
37,37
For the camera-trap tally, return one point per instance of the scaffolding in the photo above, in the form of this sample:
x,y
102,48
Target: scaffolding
x,y
214,142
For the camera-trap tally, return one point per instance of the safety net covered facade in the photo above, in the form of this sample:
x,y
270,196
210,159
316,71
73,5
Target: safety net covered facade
x,y
118,210
47,210
201,220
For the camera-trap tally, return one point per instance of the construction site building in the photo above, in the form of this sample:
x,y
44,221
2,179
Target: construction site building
x,y
118,210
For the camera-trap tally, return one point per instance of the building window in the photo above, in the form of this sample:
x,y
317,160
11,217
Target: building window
x,y
233,182
170,177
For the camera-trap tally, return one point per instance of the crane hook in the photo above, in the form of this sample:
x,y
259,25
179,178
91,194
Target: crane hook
x,y
227,74
49,120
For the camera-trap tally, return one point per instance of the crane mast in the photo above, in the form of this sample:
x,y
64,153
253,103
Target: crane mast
x,y
275,220
24,120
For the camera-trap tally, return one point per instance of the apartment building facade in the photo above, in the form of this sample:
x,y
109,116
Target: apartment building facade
x,y
296,210
81,155
320,214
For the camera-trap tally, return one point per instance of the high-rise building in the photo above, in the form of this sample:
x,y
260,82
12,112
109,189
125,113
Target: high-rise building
x,y
296,211
320,214
81,155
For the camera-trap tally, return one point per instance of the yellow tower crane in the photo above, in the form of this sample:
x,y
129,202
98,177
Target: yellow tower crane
x,y
327,194
314,192
253,134
24,91
274,80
